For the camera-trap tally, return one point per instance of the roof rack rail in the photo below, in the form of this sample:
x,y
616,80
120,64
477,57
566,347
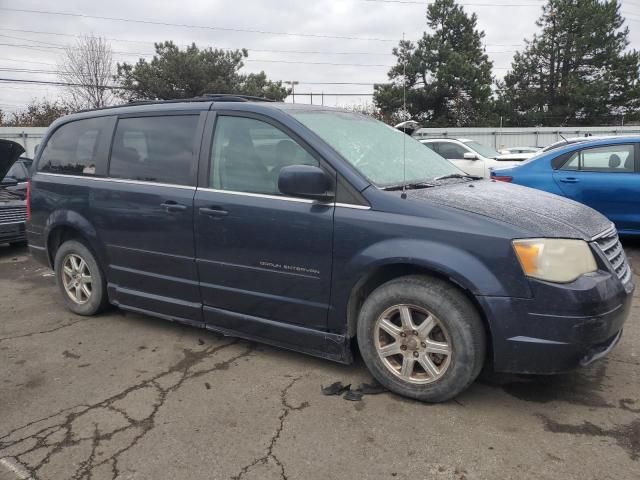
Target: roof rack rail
x,y
173,100
206,97
233,97
133,103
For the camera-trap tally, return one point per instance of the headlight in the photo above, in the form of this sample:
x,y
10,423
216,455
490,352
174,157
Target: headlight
x,y
554,259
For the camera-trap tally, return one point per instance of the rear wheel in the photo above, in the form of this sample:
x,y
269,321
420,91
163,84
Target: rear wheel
x,y
421,338
80,279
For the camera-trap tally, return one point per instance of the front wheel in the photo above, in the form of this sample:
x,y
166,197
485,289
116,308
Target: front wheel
x,y
421,338
80,279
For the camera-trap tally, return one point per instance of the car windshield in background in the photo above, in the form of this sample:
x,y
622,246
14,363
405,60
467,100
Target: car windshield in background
x,y
386,156
18,171
483,150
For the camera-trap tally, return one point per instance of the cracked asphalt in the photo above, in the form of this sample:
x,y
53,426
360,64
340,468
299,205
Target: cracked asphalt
x,y
124,396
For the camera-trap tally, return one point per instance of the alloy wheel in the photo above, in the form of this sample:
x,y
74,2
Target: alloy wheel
x,y
413,344
76,278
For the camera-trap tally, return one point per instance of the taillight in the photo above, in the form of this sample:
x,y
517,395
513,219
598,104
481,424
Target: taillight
x,y
28,200
502,179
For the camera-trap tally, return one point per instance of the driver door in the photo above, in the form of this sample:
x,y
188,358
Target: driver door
x,y
261,256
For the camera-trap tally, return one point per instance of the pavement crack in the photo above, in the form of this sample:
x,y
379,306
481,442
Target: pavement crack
x,y
41,332
59,431
287,408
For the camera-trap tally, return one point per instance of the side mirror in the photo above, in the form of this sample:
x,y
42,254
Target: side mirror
x,y
305,181
470,156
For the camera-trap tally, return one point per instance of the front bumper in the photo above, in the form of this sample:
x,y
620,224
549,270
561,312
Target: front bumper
x,y
562,327
12,232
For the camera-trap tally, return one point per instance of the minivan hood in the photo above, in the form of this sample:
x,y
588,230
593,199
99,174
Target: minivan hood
x,y
9,154
542,214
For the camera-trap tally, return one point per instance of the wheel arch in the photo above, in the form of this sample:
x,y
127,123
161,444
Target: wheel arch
x,y
390,271
68,225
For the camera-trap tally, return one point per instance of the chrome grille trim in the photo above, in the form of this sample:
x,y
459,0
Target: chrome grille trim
x,y
609,244
13,214
613,243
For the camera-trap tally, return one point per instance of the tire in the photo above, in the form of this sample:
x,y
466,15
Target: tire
x,y
441,319
71,254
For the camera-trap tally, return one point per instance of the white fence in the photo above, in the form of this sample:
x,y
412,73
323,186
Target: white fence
x,y
28,137
523,137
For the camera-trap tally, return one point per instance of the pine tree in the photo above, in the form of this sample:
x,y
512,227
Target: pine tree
x,y
176,73
577,70
448,74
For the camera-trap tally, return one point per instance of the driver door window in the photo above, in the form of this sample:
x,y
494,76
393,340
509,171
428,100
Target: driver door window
x,y
248,154
451,151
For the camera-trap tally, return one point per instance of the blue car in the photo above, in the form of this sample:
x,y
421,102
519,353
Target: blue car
x,y
603,174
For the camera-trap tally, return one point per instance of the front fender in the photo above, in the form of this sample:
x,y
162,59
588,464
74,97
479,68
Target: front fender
x,y
493,272
462,267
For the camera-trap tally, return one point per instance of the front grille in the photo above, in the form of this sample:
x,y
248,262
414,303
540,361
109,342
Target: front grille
x,y
610,245
13,214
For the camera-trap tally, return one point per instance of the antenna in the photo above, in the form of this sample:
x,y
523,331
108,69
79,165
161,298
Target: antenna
x,y
404,133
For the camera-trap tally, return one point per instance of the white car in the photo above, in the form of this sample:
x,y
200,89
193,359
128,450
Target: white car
x,y
470,156
517,150
519,153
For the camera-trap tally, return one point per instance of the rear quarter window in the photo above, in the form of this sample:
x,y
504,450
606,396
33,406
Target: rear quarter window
x,y
559,161
75,148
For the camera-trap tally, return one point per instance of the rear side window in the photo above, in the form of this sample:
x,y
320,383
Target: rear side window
x,y
611,159
155,149
73,148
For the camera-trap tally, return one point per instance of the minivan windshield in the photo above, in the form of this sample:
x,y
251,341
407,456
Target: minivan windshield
x,y
386,156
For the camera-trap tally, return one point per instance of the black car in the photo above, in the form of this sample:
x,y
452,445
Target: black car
x,y
310,228
13,206
19,173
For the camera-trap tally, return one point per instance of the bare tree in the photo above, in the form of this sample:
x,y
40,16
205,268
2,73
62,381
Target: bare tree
x,y
89,67
37,113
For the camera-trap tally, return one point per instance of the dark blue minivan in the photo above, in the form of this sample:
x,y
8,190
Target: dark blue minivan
x,y
308,228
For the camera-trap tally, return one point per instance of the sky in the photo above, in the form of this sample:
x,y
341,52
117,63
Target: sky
x,y
318,43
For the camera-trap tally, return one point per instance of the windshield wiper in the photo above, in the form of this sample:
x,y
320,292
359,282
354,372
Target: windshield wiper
x,y
409,186
457,175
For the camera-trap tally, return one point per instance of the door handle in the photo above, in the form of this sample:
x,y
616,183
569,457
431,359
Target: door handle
x,y
213,211
569,180
171,206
